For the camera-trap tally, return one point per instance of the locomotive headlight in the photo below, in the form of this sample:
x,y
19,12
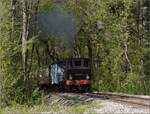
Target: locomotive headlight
x,y
70,77
87,77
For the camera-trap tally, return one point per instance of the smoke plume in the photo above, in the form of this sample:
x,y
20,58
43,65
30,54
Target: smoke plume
x,y
59,23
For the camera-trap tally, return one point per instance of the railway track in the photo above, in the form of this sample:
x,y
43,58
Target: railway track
x,y
125,98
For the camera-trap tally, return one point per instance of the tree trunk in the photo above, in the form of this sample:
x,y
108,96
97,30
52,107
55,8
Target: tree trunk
x,y
148,21
24,40
90,57
139,19
13,3
90,52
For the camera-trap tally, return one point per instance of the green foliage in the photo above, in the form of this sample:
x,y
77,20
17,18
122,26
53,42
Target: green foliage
x,y
47,5
40,53
111,28
118,53
7,81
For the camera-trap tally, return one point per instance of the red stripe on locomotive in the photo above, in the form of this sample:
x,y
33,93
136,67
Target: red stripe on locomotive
x,y
84,81
77,82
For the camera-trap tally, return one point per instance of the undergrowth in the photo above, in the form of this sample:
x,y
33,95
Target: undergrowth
x,y
22,109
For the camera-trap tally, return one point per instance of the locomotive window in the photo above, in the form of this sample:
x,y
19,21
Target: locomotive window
x,y
86,63
70,63
77,63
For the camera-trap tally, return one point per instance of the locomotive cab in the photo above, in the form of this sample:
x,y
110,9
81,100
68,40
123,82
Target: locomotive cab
x,y
78,74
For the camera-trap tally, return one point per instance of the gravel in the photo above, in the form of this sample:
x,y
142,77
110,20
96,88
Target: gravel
x,y
107,106
102,106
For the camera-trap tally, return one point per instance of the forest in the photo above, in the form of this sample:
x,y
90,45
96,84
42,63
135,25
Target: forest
x,y
114,34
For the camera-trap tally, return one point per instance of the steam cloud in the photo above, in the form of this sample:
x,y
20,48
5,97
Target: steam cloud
x,y
59,23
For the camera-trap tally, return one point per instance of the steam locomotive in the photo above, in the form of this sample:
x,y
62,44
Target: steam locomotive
x,y
71,74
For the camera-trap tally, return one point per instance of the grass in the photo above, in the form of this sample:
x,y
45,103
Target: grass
x,y
78,109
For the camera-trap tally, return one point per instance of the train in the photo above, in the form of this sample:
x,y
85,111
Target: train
x,y
73,74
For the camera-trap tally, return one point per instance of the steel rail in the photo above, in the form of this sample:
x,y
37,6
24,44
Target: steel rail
x,y
132,99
